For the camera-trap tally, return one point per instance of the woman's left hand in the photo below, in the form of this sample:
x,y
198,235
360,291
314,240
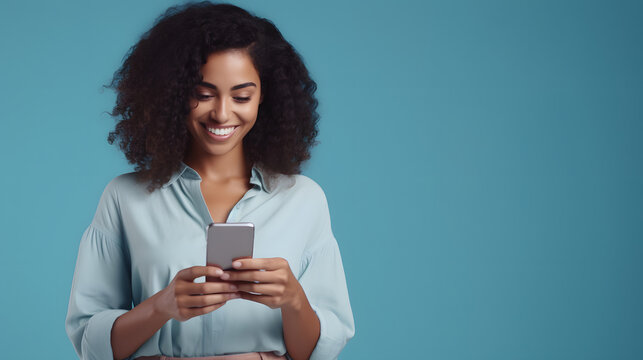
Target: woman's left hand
x,y
270,278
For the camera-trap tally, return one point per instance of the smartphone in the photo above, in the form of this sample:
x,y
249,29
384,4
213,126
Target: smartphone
x,y
228,242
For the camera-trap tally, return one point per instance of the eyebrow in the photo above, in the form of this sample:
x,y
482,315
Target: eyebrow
x,y
236,87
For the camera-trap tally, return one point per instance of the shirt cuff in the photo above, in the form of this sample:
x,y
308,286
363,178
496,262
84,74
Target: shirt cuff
x,y
327,347
97,339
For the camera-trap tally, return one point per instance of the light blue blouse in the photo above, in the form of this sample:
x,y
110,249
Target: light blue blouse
x,y
138,241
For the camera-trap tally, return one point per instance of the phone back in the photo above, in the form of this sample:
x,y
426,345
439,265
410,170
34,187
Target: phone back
x,y
228,242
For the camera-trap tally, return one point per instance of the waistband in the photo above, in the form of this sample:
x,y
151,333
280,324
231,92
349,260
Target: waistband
x,y
245,356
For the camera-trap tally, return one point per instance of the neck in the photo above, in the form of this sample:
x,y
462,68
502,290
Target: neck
x,y
218,168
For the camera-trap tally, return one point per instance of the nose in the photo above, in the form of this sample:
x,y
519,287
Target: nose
x,y
220,112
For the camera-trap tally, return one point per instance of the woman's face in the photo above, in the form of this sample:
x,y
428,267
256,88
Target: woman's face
x,y
226,103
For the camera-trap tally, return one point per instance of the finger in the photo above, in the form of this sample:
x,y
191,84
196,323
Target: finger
x,y
188,313
205,288
189,301
267,300
252,275
260,263
191,273
265,289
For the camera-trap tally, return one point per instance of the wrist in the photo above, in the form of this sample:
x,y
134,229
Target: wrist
x,y
298,304
157,307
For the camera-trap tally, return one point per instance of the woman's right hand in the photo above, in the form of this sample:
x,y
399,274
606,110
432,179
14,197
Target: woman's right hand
x,y
184,299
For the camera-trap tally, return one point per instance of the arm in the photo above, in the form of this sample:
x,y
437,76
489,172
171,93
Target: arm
x,y
100,293
135,327
301,328
324,282
325,285
100,321
182,299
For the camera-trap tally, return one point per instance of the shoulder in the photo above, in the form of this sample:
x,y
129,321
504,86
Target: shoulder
x,y
302,186
107,216
124,181
122,188
304,198
306,184
124,185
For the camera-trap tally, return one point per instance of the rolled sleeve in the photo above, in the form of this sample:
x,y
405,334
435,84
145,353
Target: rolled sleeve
x,y
100,293
96,341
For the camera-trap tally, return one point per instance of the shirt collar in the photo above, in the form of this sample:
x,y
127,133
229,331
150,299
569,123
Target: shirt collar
x,y
257,177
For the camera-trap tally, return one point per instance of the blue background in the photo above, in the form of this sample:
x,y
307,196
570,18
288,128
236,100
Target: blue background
x,y
483,163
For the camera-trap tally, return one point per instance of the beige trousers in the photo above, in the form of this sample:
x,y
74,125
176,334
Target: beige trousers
x,y
245,356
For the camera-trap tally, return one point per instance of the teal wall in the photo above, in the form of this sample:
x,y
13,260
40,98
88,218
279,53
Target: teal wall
x,y
483,163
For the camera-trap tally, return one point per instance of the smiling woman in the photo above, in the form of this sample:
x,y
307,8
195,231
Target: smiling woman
x,y
217,111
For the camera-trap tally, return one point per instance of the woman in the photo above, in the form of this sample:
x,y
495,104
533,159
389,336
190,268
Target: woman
x,y
217,111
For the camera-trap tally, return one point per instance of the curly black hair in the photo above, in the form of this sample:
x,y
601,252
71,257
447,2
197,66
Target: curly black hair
x,y
159,75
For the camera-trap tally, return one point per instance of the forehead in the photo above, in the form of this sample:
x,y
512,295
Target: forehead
x,y
229,67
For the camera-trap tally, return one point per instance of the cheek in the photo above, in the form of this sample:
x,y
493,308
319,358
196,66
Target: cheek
x,y
249,115
192,122
243,117
196,114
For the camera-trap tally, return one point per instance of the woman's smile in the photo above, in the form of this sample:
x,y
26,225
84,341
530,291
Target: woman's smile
x,y
219,133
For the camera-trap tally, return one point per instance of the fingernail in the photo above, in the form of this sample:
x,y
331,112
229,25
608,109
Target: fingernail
x,y
218,271
236,264
225,276
234,296
233,287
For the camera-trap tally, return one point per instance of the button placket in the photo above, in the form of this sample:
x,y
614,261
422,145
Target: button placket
x,y
235,209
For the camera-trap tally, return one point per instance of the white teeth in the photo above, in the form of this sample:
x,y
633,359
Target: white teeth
x,y
225,131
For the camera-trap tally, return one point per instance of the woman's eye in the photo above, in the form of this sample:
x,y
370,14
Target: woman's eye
x,y
203,96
